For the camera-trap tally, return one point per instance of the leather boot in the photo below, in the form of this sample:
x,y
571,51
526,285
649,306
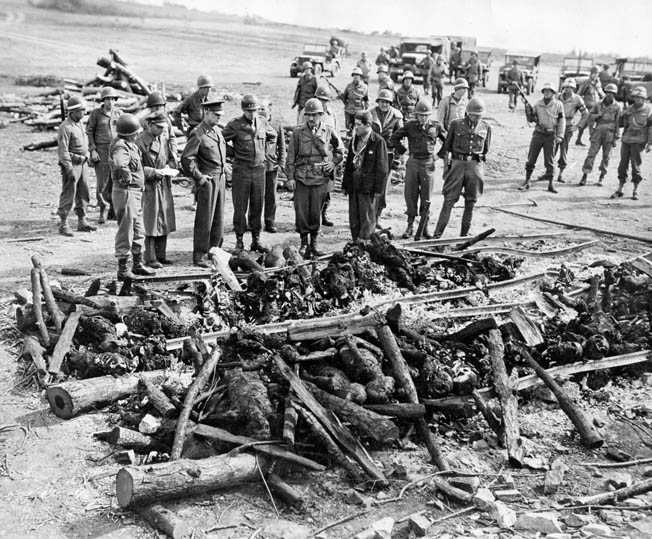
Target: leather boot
x,y
314,245
635,192
102,218
619,191
467,217
138,268
424,231
201,260
64,228
84,226
255,243
324,218
559,177
160,248
110,215
583,180
305,246
409,231
602,175
150,253
123,272
526,184
239,242
551,187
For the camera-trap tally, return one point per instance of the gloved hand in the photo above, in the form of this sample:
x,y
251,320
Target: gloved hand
x,y
203,181
70,175
95,157
291,185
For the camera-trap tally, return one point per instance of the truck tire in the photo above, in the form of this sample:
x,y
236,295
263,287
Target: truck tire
x,y
293,73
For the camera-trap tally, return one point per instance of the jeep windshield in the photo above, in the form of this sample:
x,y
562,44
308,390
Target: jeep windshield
x,y
422,48
528,61
314,50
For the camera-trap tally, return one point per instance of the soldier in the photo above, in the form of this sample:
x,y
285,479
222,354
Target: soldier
x,y
313,153
455,61
382,58
158,205
605,77
591,91
191,107
73,161
365,176
275,160
573,104
355,97
384,80
515,80
330,120
452,107
156,102
385,119
128,183
204,160
365,66
436,76
422,134
473,72
548,114
407,95
249,135
101,131
467,145
603,124
426,65
306,88
637,135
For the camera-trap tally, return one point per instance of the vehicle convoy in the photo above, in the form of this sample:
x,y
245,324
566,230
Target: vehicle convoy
x,y
485,58
575,67
412,55
529,65
323,59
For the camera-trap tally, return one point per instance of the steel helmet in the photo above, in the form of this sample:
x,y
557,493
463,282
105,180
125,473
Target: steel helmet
x,y
639,91
407,75
475,106
611,87
569,83
108,93
323,93
356,71
155,99
548,86
306,65
313,106
75,103
382,68
249,102
128,125
460,83
424,106
204,81
385,95
594,69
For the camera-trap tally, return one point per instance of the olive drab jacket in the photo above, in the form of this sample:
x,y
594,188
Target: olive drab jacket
x,y
249,139
637,122
407,99
309,151
205,152
605,117
465,139
355,97
126,165
386,124
421,138
72,144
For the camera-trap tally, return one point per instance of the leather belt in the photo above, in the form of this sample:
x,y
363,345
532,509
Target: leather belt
x,y
467,157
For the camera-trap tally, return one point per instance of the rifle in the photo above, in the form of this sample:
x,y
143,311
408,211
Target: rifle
x,y
529,109
337,92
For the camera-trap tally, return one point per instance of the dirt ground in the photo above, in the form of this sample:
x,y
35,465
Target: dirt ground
x,y
50,485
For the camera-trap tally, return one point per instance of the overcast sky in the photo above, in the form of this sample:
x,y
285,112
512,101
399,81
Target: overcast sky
x,y
622,27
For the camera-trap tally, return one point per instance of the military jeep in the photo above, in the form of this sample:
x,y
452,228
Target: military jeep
x,y
321,59
528,64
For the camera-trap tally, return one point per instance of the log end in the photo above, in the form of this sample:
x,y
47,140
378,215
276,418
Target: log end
x,y
593,442
60,402
124,488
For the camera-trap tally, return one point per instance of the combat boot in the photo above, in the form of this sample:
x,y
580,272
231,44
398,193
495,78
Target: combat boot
x,y
160,248
559,177
583,180
239,242
110,215
602,175
551,187
304,247
526,184
64,228
138,268
409,231
255,243
324,218
619,191
123,272
150,253
314,245
635,192
84,226
102,218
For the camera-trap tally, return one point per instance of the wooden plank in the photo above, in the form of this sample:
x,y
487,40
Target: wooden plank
x,y
643,265
529,331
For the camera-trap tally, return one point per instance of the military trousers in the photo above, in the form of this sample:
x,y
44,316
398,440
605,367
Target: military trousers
x,y
209,217
419,183
248,192
630,153
129,212
74,190
546,142
600,139
102,177
463,178
309,202
563,148
271,180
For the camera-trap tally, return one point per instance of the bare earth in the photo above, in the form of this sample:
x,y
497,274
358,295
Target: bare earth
x,y
49,487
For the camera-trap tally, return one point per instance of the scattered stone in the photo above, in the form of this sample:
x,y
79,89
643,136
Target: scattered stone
x,y
646,378
353,497
601,530
554,477
634,502
149,424
383,528
419,524
647,472
535,463
507,480
398,471
480,445
511,495
619,480
575,520
538,522
484,500
611,517
544,394
467,484
504,515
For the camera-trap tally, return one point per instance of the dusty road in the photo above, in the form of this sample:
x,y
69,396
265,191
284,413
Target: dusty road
x,y
49,489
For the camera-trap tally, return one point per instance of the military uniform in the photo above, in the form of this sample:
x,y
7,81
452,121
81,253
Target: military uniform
x,y
356,99
101,130
73,161
514,80
386,84
603,124
306,88
468,145
435,76
451,108
276,155
128,184
249,140
550,126
420,167
329,119
473,74
204,158
637,133
366,66
308,152
572,105
158,205
407,100
192,107
591,91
